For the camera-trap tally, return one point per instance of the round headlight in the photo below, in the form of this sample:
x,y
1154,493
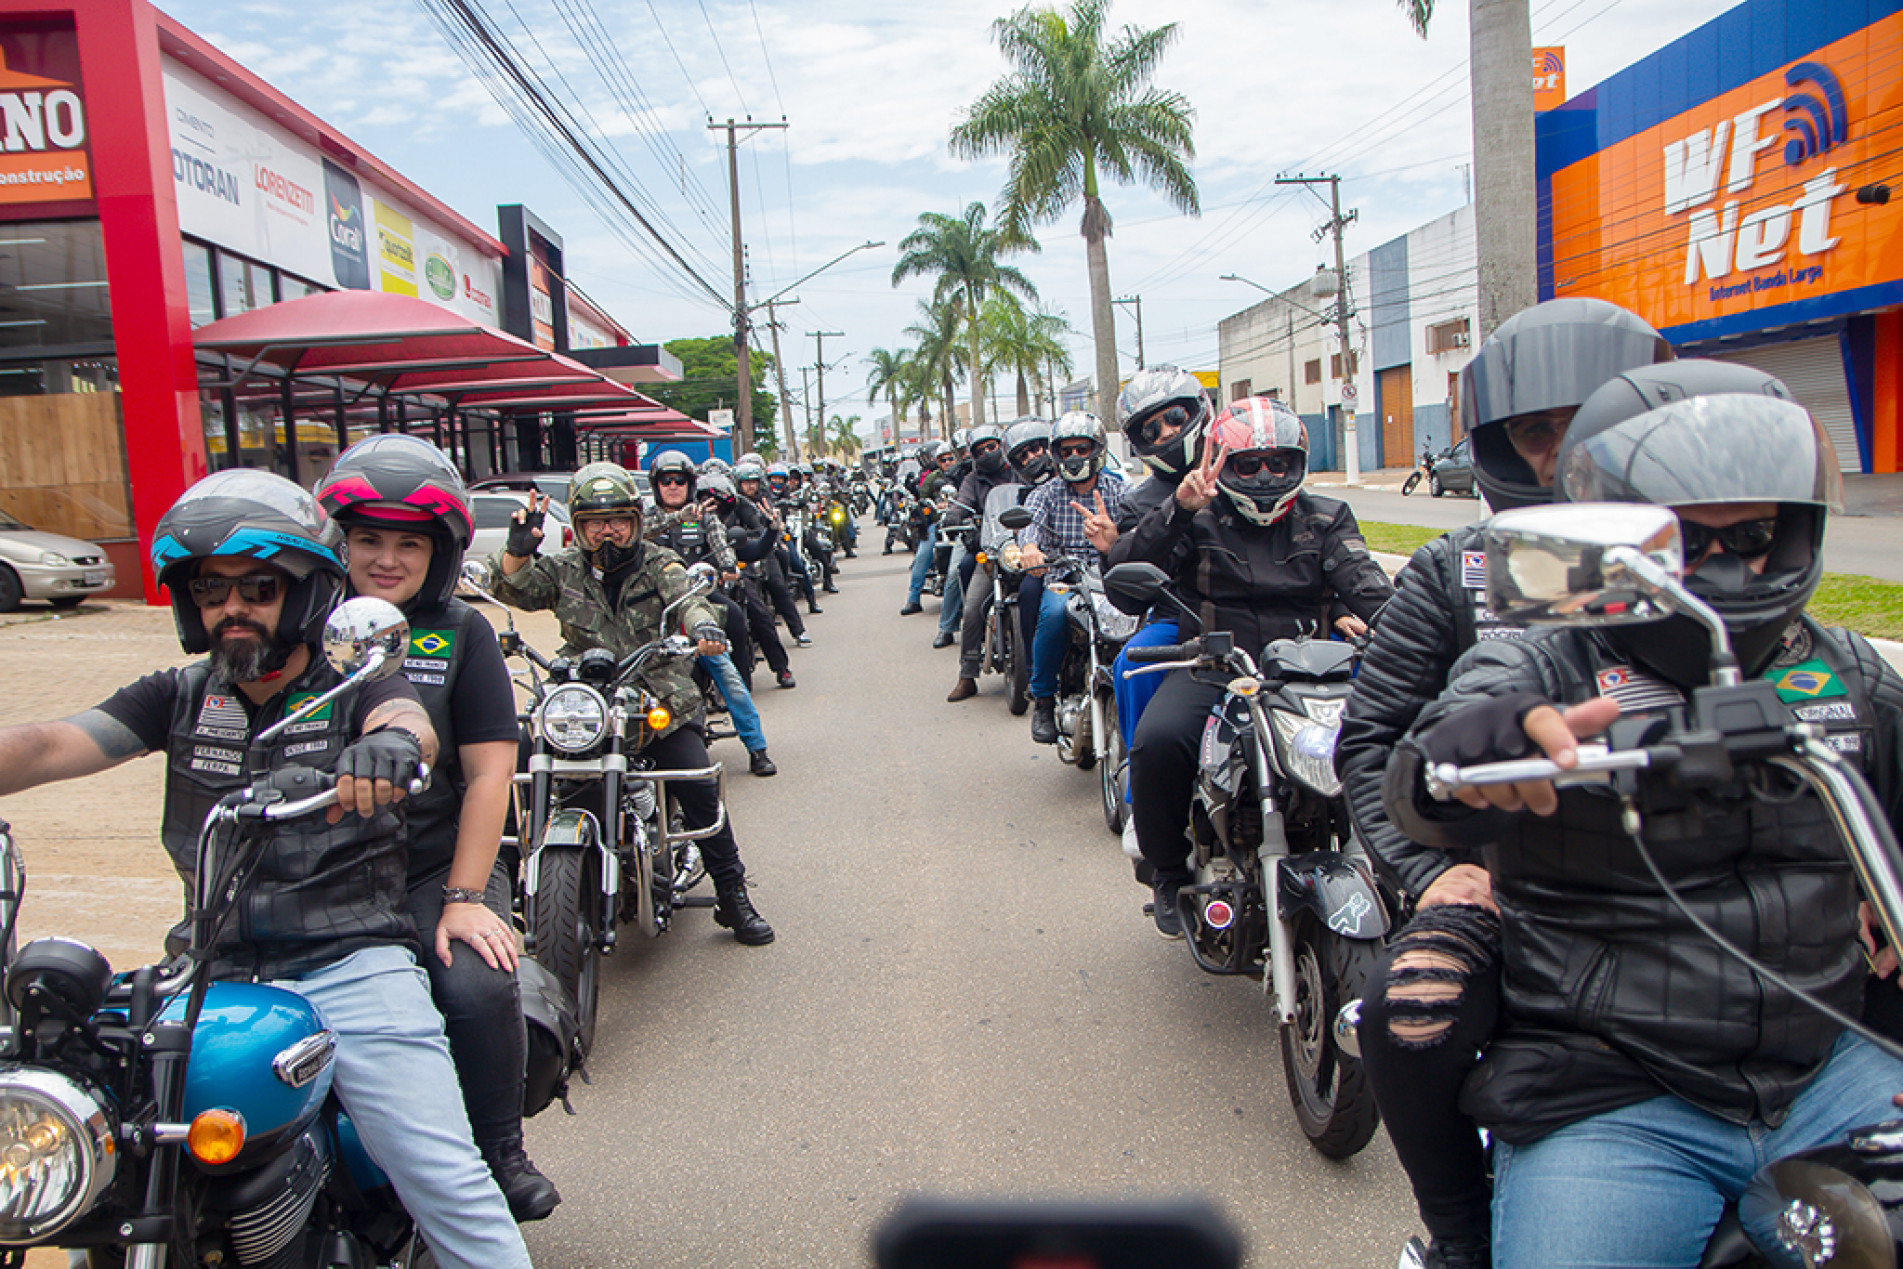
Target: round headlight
x,y
57,1153
1011,555
573,717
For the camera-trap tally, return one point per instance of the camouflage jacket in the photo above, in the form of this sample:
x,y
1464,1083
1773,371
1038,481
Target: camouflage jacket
x,y
567,584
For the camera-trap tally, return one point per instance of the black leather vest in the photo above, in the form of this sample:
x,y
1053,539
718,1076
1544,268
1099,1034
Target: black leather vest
x,y
320,891
687,539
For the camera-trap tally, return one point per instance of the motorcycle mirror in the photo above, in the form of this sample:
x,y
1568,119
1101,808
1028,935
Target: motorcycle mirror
x,y
475,576
366,634
702,578
1136,582
1014,518
1575,564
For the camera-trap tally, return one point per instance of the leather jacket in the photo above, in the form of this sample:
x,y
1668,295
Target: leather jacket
x,y
1610,993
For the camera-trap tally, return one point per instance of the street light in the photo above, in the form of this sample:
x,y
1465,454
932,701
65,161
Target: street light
x,y
1236,277
1348,392
864,246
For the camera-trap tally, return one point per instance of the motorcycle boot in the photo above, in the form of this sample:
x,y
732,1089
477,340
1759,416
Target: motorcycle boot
x,y
733,910
1044,720
1459,1253
963,690
759,764
1165,906
531,1196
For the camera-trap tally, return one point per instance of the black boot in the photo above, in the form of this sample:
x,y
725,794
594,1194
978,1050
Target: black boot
x,y
531,1195
1044,720
734,911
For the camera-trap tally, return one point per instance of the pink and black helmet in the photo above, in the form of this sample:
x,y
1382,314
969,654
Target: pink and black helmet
x,y
396,481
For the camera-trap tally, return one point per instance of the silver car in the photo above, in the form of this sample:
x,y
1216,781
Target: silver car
x,y
50,566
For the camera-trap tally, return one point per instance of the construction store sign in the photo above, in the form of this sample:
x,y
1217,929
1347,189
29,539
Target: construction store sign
x,y
1747,200
43,155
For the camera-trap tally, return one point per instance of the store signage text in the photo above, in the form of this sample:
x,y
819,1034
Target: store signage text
x,y
1724,239
39,121
284,189
207,178
473,292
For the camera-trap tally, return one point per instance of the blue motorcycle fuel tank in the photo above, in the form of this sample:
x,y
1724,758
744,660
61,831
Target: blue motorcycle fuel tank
x,y
263,1052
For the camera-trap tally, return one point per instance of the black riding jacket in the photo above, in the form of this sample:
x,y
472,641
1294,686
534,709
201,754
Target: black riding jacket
x,y
1439,610
1610,993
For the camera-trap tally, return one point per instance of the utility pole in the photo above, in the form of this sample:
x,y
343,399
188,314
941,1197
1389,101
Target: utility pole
x,y
1137,300
779,368
819,366
1336,224
742,367
806,404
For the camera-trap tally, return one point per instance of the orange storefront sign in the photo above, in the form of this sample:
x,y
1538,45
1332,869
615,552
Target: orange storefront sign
x,y
42,140
1549,78
1745,201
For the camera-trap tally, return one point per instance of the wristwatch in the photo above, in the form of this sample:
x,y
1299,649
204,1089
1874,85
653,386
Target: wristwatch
x,y
461,894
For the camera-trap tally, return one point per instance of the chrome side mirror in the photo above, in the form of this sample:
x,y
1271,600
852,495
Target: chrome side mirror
x,y
701,579
475,576
368,636
1570,564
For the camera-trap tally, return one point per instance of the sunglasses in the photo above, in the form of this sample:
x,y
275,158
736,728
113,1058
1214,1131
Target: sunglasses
x,y
1076,449
1747,539
673,478
1248,465
1536,434
987,447
253,588
1033,449
1150,430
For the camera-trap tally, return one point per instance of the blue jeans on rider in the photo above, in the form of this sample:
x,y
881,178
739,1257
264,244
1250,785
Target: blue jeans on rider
x,y
1134,693
1645,1185
1049,642
952,611
922,564
394,1076
740,707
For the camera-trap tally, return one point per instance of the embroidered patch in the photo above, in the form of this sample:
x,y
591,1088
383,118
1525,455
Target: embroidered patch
x,y
1842,711
222,718
1636,691
432,643
299,699
308,746
1473,570
423,663
1808,681
1846,742
217,761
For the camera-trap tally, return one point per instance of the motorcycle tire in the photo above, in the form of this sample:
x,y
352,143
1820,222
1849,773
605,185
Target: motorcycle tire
x,y
1017,673
1113,775
1334,1103
567,937
1412,483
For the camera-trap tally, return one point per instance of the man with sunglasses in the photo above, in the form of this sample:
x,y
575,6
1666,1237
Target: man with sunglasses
x,y
935,475
991,471
1637,1069
252,567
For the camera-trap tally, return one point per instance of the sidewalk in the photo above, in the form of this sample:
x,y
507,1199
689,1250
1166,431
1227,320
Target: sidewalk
x,y
1880,494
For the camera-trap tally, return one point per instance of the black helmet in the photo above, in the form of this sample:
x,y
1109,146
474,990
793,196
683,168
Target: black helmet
x,y
672,460
1546,358
991,463
1152,392
262,516
1750,444
1019,437
715,466
721,489
1078,425
748,467
404,482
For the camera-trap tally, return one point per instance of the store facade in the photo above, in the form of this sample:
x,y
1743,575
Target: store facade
x,y
1735,189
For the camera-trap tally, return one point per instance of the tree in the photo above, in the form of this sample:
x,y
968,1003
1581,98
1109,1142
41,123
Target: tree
x,y
1074,108
935,360
887,375
844,434
1500,44
1027,343
962,253
813,438
707,382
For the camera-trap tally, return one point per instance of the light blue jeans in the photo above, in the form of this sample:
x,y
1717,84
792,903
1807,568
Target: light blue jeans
x,y
951,613
1644,1186
922,563
740,707
1048,642
394,1076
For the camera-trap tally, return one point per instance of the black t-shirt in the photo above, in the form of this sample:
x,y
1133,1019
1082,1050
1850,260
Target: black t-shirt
x,y
146,706
484,708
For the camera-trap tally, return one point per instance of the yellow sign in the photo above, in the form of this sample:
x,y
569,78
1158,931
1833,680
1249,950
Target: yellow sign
x,y
396,251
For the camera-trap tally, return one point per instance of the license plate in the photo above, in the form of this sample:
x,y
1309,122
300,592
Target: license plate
x,y
94,577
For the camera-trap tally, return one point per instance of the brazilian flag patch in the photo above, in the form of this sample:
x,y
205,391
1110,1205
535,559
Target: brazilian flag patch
x,y
1807,681
298,700
432,643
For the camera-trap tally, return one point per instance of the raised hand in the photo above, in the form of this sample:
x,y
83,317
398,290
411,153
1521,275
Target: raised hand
x,y
525,527
1198,488
1099,527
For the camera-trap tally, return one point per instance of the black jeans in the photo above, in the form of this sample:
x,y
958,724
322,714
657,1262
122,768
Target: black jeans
x,y
760,624
773,580
733,620
482,1012
699,800
1163,765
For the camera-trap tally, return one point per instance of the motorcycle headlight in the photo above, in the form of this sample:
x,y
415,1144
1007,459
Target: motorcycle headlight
x,y
839,515
57,1153
573,717
1116,624
1011,555
1307,750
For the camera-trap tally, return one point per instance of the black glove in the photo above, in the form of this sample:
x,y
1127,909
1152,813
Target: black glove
x,y
710,632
1486,731
525,532
390,754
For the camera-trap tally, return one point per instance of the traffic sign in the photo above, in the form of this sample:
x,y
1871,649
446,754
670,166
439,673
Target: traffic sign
x,y
1349,392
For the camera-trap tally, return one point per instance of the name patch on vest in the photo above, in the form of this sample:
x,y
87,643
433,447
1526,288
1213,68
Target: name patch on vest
x,y
1473,570
1636,691
308,746
222,718
217,761
1835,711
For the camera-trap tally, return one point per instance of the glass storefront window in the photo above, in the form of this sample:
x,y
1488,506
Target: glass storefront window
x,y
53,284
198,294
238,285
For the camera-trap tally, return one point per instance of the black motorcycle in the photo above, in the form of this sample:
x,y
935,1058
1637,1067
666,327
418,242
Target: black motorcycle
x,y
1283,888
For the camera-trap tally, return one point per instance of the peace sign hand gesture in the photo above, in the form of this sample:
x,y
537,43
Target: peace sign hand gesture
x,y
1099,527
1198,488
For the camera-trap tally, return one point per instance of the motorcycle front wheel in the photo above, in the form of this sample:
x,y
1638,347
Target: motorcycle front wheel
x,y
567,931
1017,667
1114,773
1412,483
1333,1100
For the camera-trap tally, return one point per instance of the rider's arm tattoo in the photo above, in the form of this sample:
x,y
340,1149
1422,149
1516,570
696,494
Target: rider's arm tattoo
x,y
411,717
114,738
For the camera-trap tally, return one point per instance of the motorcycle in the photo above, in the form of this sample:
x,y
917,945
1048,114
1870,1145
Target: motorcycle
x,y
1604,564
1269,825
1415,477
160,1117
604,844
1004,650
898,521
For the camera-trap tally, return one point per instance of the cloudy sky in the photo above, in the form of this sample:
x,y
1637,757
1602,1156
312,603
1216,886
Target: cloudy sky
x,y
871,89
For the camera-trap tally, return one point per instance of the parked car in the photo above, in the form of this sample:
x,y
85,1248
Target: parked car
x,y
552,483
1454,471
49,566
494,510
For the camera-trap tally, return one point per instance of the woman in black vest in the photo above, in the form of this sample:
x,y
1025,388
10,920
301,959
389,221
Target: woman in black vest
x,y
407,522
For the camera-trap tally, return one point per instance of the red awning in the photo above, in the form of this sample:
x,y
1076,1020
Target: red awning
x,y
363,334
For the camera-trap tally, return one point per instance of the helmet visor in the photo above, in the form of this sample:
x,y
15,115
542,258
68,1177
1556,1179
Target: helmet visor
x,y
1548,367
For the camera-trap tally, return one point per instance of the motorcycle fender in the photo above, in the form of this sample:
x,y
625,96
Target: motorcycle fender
x,y
1336,889
569,830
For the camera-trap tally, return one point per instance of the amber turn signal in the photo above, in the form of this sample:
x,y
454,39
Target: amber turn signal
x,y
659,718
216,1136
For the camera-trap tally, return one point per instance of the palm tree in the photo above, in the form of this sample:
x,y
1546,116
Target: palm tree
x,y
813,438
887,375
1076,107
962,253
936,357
1500,44
845,437
1027,343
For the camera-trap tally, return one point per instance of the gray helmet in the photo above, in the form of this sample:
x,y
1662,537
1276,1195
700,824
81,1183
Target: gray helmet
x,y
992,463
749,467
961,441
715,466
1165,391
1019,437
1546,358
1078,425
1718,433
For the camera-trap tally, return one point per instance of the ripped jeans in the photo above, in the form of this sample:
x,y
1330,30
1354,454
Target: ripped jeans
x,y
1420,1037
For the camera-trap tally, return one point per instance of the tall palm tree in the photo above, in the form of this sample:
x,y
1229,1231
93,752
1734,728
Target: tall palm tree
x,y
1500,46
1076,107
813,438
936,357
845,437
962,253
1026,342
886,375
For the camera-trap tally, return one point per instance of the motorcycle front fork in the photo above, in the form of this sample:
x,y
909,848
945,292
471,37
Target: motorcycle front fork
x,y
1279,982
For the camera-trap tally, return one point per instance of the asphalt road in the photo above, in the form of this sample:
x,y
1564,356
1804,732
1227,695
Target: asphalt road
x,y
964,998
1865,544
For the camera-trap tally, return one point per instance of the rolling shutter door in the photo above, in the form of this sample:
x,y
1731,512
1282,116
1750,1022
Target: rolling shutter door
x,y
1813,369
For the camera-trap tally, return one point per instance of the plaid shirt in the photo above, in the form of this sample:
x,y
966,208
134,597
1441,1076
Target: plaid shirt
x,y
1057,527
